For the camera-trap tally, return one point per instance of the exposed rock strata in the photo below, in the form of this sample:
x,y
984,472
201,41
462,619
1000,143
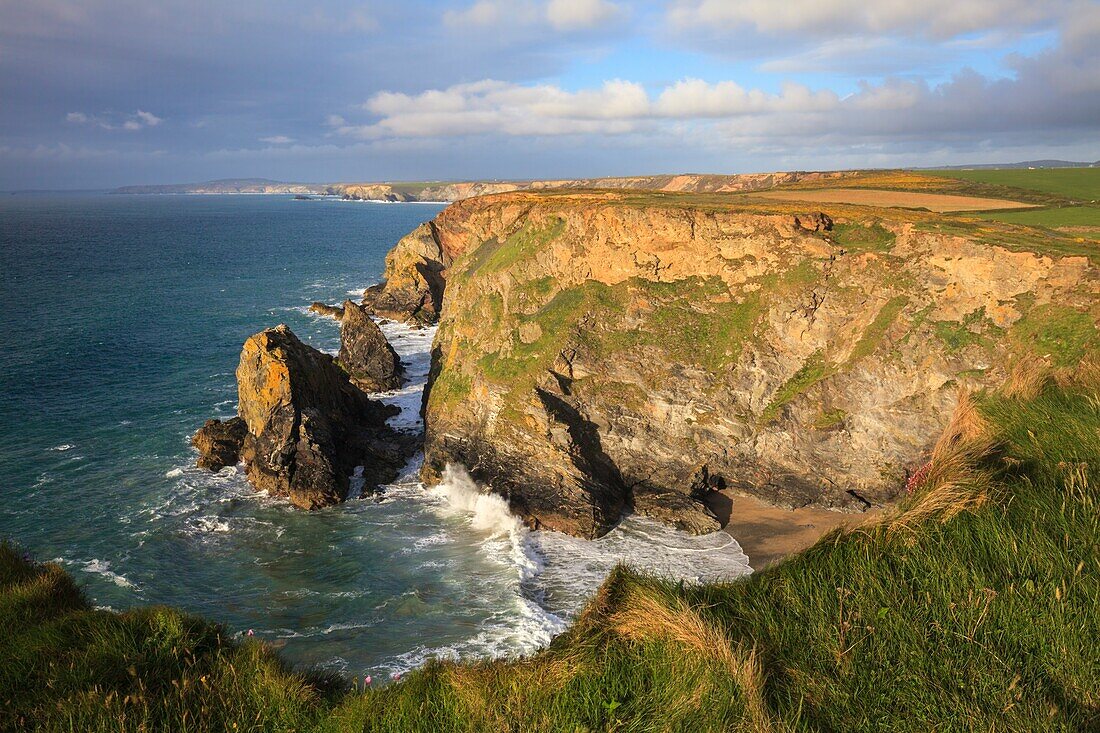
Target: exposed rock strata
x,y
307,426
219,443
595,355
365,354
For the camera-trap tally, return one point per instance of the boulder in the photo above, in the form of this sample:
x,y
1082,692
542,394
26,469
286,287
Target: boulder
x,y
365,353
219,443
308,426
323,309
675,508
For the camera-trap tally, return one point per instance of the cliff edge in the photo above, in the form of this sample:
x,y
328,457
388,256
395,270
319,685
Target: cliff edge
x,y
598,352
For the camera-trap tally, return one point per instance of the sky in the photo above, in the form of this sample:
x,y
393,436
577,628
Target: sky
x,y
102,93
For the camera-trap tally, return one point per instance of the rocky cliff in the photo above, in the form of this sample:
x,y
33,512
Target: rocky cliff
x,y
604,351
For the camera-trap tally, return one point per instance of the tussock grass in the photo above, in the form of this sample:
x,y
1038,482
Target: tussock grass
x,y
973,607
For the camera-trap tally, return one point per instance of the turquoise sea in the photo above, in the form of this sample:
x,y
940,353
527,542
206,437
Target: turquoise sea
x,y
121,321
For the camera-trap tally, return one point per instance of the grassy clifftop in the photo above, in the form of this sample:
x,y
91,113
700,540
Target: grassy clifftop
x,y
970,607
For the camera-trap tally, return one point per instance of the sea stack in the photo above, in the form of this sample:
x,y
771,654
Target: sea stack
x,y
306,426
365,353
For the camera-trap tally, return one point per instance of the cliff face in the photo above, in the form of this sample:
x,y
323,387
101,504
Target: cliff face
x,y
597,352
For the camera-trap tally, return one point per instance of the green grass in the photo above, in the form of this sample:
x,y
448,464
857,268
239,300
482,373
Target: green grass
x,y
984,620
1078,184
1063,334
496,255
1063,216
860,238
873,334
972,607
816,368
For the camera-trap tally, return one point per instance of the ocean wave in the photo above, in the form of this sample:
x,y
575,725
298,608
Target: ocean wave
x,y
102,568
63,447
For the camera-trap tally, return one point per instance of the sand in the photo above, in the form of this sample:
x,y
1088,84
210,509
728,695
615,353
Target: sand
x,y
768,533
901,199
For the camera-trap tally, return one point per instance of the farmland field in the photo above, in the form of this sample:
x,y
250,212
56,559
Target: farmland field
x,y
1079,184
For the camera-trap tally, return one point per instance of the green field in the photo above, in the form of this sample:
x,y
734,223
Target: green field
x,y
1078,184
971,607
1065,216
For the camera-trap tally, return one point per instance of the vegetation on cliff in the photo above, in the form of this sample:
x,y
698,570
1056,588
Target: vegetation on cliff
x,y
972,606
595,348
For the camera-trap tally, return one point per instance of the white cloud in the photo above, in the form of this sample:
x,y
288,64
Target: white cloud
x,y
277,140
560,15
490,106
938,19
130,123
148,118
568,15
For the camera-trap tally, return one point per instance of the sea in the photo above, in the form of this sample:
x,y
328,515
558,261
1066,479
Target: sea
x,y
121,323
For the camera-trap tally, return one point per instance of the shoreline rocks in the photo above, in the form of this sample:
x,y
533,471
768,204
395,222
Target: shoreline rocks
x,y
324,309
305,426
365,353
220,443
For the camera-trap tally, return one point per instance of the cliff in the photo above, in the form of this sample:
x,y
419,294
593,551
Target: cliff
x,y
602,351
459,190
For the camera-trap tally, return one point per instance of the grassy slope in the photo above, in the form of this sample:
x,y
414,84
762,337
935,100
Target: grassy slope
x,y
974,608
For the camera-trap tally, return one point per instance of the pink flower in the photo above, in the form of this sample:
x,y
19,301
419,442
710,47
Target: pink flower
x,y
396,675
250,632
916,480
367,680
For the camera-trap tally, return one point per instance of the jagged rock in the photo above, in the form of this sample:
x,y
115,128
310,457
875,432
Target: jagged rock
x,y
675,508
365,353
412,290
219,443
308,426
819,222
323,309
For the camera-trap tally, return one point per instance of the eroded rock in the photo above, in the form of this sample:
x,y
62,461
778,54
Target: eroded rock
x,y
323,309
308,426
594,354
365,353
219,443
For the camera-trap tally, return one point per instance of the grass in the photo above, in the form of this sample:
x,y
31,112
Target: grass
x,y
972,606
1078,184
860,238
816,368
1052,217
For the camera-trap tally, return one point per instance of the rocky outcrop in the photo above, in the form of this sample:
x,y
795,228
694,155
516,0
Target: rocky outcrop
x,y
219,443
365,354
413,282
308,427
598,352
324,309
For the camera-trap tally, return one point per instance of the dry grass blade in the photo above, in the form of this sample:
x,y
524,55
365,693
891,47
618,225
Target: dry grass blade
x,y
644,617
953,482
1026,379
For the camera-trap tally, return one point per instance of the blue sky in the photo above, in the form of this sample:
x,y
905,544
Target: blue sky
x,y
98,93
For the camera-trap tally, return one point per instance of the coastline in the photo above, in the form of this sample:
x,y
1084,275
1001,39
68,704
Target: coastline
x,y
768,533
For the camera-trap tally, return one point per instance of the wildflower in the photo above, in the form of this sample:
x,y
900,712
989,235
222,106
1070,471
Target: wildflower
x,y
367,680
917,478
250,632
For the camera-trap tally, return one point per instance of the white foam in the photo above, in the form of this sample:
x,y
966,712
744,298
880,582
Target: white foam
x,y
63,447
103,569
